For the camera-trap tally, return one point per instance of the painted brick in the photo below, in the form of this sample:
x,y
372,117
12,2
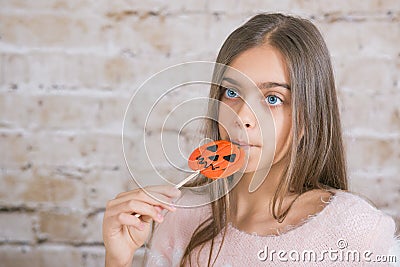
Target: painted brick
x,y
372,110
51,30
103,185
347,71
61,149
62,226
363,39
93,228
93,256
367,184
61,111
16,227
75,70
69,68
43,255
37,186
372,154
305,7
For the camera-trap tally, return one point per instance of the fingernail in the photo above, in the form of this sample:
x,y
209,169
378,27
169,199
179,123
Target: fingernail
x,y
160,216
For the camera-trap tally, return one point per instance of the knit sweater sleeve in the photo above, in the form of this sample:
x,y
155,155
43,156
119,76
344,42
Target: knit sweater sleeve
x,y
171,237
383,242
382,233
371,232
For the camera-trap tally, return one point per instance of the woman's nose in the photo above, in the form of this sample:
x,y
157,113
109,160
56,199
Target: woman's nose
x,y
245,116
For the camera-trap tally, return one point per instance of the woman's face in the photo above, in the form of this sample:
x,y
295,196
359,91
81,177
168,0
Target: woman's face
x,y
257,113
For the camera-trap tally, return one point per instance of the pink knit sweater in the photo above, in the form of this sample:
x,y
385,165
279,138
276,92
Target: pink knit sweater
x,y
347,232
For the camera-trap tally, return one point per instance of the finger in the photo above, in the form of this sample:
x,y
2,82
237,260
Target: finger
x,y
158,209
135,206
147,218
128,220
167,190
159,200
154,199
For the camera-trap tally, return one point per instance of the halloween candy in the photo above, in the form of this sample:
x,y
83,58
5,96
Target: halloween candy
x,y
216,159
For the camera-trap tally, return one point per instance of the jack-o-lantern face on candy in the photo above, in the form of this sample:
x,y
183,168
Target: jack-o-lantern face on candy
x,y
217,159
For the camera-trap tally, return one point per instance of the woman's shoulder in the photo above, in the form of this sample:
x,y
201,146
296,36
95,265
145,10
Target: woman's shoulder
x,y
355,205
354,216
344,212
342,207
352,208
363,217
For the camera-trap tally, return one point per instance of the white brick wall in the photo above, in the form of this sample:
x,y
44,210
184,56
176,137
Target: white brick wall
x,y
69,68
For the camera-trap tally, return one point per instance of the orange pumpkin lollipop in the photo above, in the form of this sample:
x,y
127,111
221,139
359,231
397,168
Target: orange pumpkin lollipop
x,y
217,159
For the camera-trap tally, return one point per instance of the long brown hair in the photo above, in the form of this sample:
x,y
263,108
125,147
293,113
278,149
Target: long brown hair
x,y
317,158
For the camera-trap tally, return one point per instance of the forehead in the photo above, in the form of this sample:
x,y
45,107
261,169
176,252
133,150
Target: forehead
x,y
259,64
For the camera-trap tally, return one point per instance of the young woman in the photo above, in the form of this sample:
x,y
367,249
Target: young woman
x,y
300,212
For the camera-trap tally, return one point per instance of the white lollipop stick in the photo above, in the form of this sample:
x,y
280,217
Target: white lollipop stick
x,y
184,181
187,179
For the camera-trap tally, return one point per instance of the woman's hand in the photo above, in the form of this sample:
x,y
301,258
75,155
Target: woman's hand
x,y
123,232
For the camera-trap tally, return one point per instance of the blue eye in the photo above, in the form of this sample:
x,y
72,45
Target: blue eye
x,y
229,93
273,100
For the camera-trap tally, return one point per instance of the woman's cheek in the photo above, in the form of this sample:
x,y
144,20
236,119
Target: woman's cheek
x,y
225,119
283,123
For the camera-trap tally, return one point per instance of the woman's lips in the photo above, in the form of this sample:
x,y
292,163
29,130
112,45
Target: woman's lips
x,y
243,144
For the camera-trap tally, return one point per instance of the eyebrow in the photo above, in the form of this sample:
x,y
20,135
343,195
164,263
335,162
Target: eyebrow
x,y
264,85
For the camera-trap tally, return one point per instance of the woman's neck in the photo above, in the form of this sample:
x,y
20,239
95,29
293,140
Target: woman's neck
x,y
244,202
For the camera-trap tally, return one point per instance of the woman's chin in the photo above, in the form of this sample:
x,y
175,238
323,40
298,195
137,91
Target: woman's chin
x,y
255,166
251,169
